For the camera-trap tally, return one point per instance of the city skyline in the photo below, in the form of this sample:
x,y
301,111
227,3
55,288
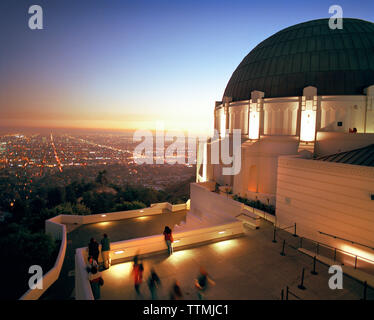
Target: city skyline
x,y
133,65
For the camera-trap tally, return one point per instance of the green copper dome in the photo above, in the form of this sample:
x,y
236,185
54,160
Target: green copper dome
x,y
337,62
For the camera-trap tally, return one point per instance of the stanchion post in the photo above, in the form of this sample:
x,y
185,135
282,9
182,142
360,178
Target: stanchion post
x,y
287,293
314,272
274,239
301,285
282,294
294,234
283,253
365,290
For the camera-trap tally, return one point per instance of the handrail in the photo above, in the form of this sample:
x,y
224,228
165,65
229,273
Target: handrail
x,y
337,249
353,242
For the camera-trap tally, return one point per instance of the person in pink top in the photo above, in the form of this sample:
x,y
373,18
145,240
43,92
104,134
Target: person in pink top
x,y
169,239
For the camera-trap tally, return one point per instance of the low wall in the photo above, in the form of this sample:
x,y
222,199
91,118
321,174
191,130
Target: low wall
x,y
122,250
56,228
58,232
156,208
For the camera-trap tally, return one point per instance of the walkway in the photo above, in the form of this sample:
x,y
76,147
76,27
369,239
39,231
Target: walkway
x,y
249,267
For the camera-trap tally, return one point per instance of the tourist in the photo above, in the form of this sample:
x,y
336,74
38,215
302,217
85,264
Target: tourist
x,y
105,249
93,249
153,283
201,283
96,282
168,239
91,263
137,272
176,292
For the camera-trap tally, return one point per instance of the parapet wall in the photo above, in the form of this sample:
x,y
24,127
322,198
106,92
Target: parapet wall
x,y
57,229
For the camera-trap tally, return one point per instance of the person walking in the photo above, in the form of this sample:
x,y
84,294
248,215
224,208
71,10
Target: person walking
x,y
176,292
153,283
93,249
202,282
105,250
96,281
169,239
137,272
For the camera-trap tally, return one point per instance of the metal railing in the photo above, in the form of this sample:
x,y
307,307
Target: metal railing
x,y
318,246
350,241
335,250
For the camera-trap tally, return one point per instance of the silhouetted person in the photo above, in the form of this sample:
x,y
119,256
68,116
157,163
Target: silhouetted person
x,y
105,249
202,282
169,239
93,249
153,283
96,281
137,272
176,292
91,263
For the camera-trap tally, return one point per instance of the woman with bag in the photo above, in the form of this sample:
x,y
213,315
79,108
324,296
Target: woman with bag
x,y
169,239
96,282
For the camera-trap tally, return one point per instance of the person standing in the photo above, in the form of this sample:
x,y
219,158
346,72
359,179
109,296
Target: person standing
x,y
201,283
169,239
105,250
93,250
96,281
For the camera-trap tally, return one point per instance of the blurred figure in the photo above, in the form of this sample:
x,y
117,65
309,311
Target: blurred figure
x,y
153,283
91,263
169,239
105,249
96,282
202,282
93,250
137,272
176,292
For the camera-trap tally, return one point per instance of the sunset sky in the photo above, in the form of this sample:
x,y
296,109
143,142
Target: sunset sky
x,y
130,64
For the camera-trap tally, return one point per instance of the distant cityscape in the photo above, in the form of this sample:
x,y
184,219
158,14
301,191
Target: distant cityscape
x,y
72,156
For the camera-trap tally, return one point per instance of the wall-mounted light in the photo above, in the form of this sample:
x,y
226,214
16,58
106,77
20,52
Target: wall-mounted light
x,y
119,252
221,232
176,241
103,215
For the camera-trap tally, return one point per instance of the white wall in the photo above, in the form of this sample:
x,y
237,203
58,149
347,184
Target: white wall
x,y
58,232
329,197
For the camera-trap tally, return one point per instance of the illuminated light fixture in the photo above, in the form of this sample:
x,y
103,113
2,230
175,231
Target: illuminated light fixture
x,y
176,241
103,215
308,120
141,211
222,128
142,218
119,252
254,123
221,232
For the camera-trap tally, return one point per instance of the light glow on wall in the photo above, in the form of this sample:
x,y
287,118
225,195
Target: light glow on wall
x,y
308,120
366,256
254,123
225,245
119,271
